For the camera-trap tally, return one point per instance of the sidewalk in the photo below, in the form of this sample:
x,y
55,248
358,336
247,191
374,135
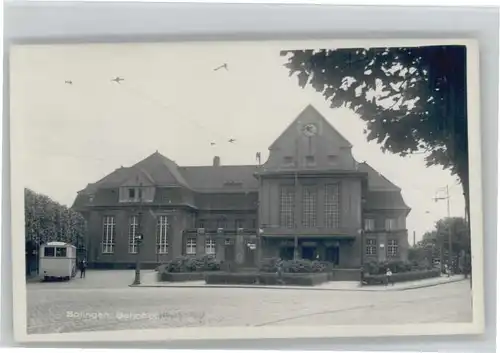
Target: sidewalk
x,y
148,280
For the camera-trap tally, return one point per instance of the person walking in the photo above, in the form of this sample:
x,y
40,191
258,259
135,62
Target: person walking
x,y
280,271
83,267
388,277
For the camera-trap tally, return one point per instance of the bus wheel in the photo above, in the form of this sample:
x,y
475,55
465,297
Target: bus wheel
x,y
45,278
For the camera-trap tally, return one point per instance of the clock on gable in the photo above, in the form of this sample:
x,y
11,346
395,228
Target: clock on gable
x,y
310,130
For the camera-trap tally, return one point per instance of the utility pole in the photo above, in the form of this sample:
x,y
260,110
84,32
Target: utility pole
x,y
138,240
414,242
450,247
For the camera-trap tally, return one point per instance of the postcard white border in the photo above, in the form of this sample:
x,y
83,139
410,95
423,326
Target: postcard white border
x,y
476,225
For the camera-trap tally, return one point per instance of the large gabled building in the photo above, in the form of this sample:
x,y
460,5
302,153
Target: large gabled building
x,y
310,199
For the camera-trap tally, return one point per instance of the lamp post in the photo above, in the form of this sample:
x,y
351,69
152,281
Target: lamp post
x,y
450,247
138,240
361,233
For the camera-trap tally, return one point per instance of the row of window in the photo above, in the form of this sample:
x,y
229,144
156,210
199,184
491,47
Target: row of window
x,y
109,232
371,247
309,206
390,224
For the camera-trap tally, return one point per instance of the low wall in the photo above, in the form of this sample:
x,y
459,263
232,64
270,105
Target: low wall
x,y
121,265
293,279
402,277
180,277
345,275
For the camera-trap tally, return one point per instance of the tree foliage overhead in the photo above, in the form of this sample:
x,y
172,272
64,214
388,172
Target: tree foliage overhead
x,y
413,99
47,220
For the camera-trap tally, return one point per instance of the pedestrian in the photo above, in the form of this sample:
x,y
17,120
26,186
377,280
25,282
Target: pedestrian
x,y
447,270
388,277
83,267
280,271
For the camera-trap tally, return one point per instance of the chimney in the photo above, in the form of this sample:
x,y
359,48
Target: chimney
x,y
216,161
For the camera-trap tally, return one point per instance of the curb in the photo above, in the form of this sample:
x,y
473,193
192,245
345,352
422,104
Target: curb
x,y
300,288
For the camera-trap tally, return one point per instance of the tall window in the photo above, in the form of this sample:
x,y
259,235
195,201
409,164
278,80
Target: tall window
x,y
390,224
108,235
132,234
287,203
162,227
210,246
392,247
371,246
191,246
369,224
332,209
309,197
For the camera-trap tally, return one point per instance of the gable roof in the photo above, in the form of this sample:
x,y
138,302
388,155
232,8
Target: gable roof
x,y
312,114
163,171
157,168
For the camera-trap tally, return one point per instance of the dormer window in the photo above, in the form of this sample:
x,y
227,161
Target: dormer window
x,y
136,194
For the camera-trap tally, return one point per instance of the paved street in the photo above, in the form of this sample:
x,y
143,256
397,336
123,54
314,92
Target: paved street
x,y
103,301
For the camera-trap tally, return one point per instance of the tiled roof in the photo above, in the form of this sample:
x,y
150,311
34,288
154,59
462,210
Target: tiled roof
x,y
162,170
232,178
376,181
158,169
385,200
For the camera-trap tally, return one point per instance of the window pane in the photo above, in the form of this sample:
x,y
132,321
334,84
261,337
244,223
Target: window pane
x,y
332,214
162,235
309,197
60,252
49,252
287,205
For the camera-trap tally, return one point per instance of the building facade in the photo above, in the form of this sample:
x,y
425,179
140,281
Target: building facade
x,y
311,199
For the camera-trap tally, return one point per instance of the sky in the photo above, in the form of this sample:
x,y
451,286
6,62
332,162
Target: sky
x,y
174,102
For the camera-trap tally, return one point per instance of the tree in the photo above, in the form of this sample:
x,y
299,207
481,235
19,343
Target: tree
x,y
413,99
46,221
435,244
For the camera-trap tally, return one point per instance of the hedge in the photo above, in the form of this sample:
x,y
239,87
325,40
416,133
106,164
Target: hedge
x,y
401,277
180,277
191,264
271,265
295,279
396,266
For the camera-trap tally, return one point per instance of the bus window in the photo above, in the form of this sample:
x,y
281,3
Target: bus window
x,y
49,252
60,252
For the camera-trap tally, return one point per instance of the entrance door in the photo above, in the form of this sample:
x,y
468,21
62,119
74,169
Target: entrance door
x,y
333,254
308,252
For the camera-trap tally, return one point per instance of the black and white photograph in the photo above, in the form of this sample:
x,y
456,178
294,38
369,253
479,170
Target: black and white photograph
x,y
180,190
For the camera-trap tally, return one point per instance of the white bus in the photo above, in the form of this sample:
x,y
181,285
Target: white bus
x,y
57,260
